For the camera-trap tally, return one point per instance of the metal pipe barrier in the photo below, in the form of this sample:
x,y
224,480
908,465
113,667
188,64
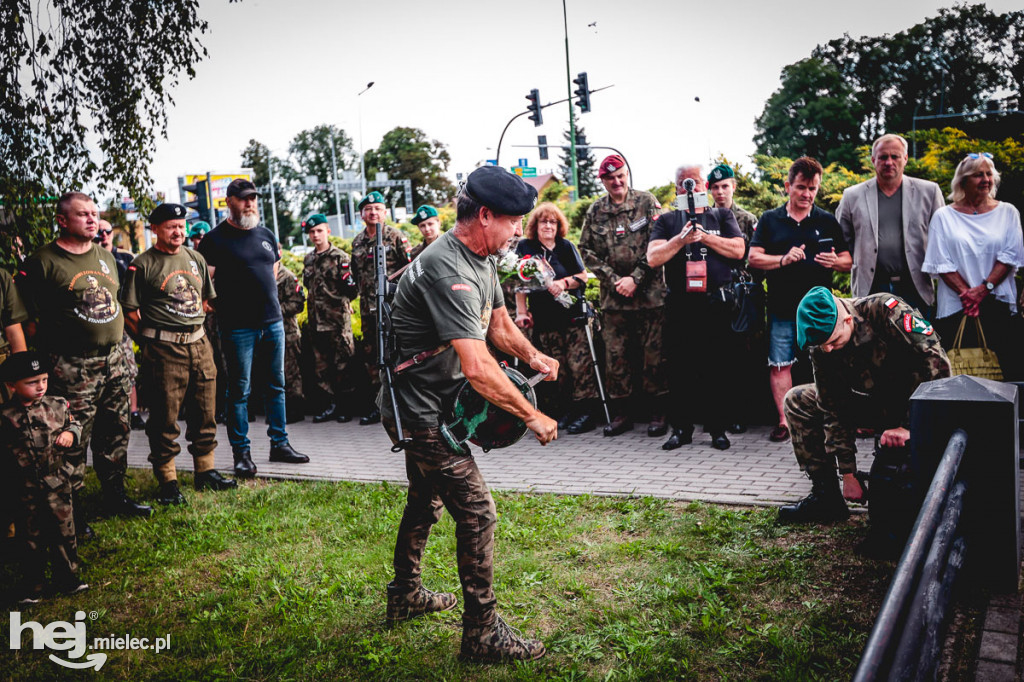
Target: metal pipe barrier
x,y
922,565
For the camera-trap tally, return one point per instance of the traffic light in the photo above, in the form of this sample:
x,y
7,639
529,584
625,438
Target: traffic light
x,y
542,146
582,92
201,190
581,147
534,107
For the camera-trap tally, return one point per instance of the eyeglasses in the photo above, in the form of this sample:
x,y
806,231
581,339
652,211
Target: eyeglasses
x,y
104,231
974,156
547,221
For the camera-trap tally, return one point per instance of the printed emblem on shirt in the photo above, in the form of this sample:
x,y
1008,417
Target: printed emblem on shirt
x,y
912,323
185,298
267,246
461,287
195,267
95,302
103,267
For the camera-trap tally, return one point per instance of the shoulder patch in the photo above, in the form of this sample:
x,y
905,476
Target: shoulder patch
x,y
461,287
916,325
891,303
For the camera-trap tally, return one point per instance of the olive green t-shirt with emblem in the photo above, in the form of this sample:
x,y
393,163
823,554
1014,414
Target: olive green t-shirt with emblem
x,y
73,297
168,290
12,310
447,293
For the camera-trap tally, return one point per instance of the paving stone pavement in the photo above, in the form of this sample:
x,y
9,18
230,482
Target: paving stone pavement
x,y
754,471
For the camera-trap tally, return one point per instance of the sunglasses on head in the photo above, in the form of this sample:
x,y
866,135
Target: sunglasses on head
x,y
974,156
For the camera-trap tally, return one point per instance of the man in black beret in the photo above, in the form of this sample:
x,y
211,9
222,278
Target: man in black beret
x,y
448,305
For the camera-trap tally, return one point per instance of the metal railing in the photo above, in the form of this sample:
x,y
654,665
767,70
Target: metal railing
x,y
905,641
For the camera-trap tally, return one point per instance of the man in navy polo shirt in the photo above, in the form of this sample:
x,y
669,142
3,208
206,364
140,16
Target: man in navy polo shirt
x,y
791,245
243,260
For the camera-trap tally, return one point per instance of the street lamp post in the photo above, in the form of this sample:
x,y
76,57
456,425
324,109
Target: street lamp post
x,y
362,151
572,114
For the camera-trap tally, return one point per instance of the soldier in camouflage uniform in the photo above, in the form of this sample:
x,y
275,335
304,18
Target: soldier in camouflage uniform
x,y
12,314
293,301
429,226
89,364
167,290
869,355
614,247
35,429
364,267
331,285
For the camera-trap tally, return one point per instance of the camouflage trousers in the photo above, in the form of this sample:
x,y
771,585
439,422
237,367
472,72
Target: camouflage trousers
x,y
569,346
633,345
820,441
292,362
333,353
440,480
180,374
368,379
44,522
98,391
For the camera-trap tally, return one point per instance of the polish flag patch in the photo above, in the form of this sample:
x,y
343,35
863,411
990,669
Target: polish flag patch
x,y
891,303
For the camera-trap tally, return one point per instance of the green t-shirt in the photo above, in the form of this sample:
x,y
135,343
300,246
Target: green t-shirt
x,y
73,298
168,290
447,293
12,310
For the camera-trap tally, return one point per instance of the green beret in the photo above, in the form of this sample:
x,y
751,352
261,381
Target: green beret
x,y
23,365
165,212
503,192
424,212
371,198
314,220
816,317
199,229
720,172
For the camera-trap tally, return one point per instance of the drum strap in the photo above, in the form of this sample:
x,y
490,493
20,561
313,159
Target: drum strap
x,y
422,357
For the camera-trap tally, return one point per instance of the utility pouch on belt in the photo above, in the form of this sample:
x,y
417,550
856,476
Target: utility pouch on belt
x,y
697,274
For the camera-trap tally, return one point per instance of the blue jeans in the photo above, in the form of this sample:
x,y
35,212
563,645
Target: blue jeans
x,y
266,344
781,341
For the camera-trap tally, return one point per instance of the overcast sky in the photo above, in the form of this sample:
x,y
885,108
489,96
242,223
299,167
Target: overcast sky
x,y
460,69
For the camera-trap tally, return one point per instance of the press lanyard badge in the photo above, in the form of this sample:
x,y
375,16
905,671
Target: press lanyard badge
x,y
697,273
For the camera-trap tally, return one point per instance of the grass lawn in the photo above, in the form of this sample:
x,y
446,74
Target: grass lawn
x,y
282,580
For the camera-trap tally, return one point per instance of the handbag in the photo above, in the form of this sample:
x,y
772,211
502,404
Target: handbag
x,y
745,300
979,362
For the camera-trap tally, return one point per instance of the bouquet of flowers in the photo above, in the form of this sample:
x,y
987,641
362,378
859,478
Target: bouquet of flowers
x,y
534,273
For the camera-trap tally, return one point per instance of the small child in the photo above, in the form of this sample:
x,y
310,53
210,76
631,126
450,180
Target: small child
x,y
34,429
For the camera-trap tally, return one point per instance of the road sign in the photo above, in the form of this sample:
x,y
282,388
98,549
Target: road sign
x,y
219,185
529,172
523,162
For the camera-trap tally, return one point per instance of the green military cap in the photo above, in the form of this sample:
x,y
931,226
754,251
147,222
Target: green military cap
x,y
314,220
371,198
199,229
816,317
424,212
720,172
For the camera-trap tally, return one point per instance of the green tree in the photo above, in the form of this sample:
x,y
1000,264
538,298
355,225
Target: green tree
x,y
309,153
586,168
814,113
408,154
257,156
85,91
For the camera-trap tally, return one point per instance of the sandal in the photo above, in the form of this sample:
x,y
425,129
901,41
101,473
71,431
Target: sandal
x,y
779,434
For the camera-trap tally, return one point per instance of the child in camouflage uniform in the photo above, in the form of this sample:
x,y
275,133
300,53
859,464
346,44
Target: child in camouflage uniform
x,y
34,430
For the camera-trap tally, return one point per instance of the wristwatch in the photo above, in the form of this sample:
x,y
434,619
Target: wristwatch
x,y
989,285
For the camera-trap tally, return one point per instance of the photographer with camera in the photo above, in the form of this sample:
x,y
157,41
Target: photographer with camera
x,y
558,330
799,246
699,247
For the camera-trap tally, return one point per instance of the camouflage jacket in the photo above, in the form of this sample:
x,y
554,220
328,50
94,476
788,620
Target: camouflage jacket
x,y
396,248
891,352
291,297
27,435
331,288
614,245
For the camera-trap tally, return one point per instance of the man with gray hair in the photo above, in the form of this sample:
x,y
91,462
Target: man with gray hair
x,y
885,222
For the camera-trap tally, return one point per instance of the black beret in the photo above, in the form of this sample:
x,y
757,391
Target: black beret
x,y
503,192
23,365
165,212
